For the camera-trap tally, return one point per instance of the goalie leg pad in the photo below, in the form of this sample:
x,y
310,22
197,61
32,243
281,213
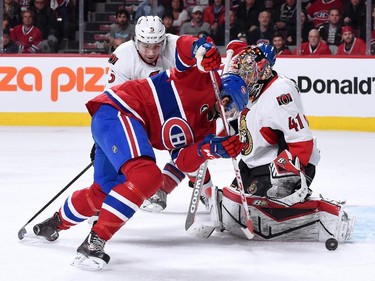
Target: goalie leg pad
x,y
312,220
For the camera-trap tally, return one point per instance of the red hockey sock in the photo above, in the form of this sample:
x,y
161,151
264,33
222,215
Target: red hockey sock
x,y
86,202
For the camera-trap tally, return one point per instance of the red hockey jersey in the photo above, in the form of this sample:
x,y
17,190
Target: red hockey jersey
x,y
26,39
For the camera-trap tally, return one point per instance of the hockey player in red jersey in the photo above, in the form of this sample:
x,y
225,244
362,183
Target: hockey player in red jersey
x,y
278,161
174,111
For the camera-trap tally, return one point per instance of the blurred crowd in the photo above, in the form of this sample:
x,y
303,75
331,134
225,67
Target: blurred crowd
x,y
327,26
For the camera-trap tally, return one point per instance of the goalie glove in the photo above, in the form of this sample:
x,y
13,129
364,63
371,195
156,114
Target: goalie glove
x,y
219,147
206,54
285,175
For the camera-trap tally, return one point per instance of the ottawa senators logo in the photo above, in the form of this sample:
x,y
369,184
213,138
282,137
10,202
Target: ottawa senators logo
x,y
245,135
154,73
284,99
113,59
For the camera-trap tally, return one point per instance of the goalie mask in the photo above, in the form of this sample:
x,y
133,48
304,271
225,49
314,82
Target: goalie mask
x,y
253,67
150,30
234,88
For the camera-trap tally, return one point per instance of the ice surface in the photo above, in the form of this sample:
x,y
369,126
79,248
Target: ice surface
x,y
37,162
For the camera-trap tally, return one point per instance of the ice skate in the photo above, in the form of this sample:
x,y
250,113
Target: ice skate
x,y
156,203
91,255
48,228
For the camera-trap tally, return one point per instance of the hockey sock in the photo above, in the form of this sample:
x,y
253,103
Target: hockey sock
x,y
80,205
143,179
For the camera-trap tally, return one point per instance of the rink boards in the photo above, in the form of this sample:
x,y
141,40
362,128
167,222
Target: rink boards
x,y
338,93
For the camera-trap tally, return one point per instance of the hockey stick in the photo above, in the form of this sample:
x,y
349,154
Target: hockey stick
x,y
191,225
22,231
248,231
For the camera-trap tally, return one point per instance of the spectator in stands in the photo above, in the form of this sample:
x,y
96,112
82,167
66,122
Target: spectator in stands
x,y
278,41
215,16
196,25
273,6
351,45
168,23
248,12
286,16
318,10
121,29
242,37
45,20
235,28
330,32
27,36
61,9
5,21
25,4
9,47
305,29
13,10
146,8
314,47
264,31
117,42
178,12
354,15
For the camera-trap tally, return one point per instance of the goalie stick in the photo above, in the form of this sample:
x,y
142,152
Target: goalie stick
x,y
22,231
248,230
191,225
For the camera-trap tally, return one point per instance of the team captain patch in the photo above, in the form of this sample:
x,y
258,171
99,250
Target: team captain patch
x,y
284,99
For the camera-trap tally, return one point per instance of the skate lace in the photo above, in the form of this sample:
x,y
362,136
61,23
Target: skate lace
x,y
96,243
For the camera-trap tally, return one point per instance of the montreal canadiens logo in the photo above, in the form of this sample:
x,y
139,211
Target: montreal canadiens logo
x,y
243,90
176,133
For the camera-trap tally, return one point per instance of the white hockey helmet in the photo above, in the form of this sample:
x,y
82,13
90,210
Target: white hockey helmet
x,y
149,30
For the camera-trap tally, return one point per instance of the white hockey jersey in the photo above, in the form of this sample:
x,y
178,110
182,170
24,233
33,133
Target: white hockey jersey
x,y
126,64
277,116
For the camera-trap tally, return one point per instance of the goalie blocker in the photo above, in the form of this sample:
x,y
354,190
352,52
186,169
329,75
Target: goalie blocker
x,y
313,220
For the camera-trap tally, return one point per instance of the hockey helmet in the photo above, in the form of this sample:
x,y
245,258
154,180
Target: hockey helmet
x,y
233,87
149,30
253,67
269,52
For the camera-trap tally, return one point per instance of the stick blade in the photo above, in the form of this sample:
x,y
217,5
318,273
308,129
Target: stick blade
x,y
248,231
21,233
200,230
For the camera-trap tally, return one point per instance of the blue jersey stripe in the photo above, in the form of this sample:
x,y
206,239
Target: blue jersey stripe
x,y
167,99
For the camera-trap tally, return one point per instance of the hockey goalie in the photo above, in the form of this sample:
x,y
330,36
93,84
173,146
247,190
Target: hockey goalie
x,y
277,164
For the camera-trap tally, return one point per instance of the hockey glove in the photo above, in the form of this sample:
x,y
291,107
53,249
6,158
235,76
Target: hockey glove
x,y
285,175
219,147
207,55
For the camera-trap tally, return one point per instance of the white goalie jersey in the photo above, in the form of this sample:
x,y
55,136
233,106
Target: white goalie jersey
x,y
278,108
126,64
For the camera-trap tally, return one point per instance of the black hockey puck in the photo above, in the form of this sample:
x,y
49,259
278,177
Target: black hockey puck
x,y
331,244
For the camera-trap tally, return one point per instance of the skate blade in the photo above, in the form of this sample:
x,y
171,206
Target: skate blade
x,y
88,263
